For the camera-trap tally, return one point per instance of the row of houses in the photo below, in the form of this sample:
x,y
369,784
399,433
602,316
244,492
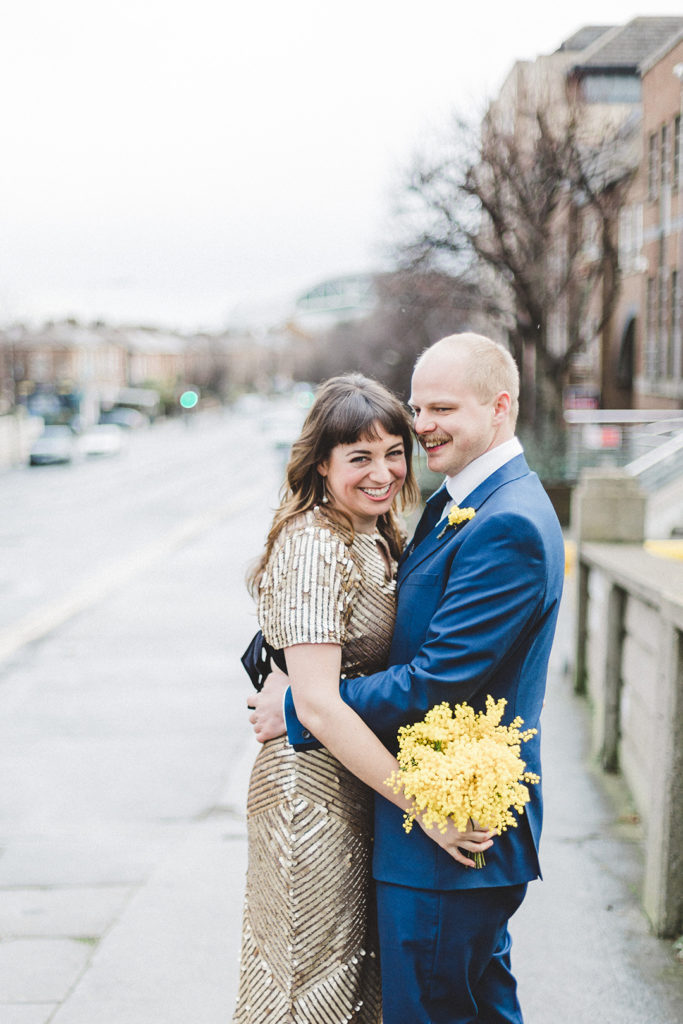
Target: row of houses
x,y
95,362
628,81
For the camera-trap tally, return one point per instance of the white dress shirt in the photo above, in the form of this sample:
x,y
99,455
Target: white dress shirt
x,y
464,482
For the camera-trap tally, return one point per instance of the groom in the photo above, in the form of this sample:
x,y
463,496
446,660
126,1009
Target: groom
x,y
476,612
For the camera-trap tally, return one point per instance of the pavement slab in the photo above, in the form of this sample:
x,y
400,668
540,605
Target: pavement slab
x,y
172,956
40,970
101,854
27,1013
73,912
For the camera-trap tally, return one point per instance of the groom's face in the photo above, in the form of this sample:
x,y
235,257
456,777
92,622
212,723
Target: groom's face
x,y
452,424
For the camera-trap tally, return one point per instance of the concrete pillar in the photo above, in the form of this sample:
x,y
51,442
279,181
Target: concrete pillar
x,y
663,883
611,719
608,505
581,625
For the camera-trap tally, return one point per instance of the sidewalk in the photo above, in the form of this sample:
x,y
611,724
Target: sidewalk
x,y
160,946
583,950
171,955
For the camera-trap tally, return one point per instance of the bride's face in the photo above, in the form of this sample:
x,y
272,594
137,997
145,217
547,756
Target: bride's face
x,y
362,479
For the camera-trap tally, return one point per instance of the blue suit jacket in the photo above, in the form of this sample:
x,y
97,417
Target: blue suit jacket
x,y
476,613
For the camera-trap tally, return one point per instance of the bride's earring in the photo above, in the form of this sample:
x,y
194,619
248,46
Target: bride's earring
x,y
325,500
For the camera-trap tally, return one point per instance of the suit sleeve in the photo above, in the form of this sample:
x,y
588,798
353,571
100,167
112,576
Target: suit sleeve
x,y
493,595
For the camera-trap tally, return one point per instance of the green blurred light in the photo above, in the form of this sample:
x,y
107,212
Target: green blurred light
x,y
189,399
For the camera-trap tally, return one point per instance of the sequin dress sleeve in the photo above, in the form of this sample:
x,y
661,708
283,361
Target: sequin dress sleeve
x,y
306,591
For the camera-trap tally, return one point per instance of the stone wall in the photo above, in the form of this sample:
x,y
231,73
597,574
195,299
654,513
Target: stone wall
x,y
629,663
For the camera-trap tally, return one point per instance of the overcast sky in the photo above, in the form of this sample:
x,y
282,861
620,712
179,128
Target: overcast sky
x,y
169,160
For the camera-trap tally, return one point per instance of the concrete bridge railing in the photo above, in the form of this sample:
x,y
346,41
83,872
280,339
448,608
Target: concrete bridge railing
x,y
629,664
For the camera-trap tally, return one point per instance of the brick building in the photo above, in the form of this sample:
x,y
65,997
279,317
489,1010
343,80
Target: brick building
x,y
627,80
658,369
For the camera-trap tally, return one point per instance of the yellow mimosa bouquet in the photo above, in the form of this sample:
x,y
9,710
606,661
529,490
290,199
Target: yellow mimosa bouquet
x,y
463,766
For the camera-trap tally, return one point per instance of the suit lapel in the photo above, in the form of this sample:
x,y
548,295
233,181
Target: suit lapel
x,y
428,520
512,470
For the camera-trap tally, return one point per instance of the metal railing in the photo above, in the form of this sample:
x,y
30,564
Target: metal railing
x,y
647,443
660,466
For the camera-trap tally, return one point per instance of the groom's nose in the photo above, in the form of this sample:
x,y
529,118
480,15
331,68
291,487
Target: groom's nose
x,y
423,423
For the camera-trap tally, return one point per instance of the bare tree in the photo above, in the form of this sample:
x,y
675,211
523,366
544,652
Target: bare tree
x,y
512,203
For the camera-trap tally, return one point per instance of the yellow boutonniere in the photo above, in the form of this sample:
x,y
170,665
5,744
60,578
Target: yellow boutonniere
x,y
456,516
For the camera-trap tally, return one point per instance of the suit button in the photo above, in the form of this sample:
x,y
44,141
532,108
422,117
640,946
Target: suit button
x,y
306,734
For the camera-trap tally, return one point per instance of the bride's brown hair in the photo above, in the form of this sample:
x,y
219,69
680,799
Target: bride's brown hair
x,y
346,409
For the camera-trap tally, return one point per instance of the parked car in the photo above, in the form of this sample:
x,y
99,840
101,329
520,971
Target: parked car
x,y
57,444
122,416
101,439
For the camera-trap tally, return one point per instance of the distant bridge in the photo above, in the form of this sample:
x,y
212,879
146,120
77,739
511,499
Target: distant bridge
x,y
338,299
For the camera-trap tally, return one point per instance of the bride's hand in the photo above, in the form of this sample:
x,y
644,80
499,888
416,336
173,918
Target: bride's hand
x,y
267,717
475,840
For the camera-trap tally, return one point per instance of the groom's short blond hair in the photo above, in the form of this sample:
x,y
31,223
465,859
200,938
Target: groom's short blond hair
x,y
490,367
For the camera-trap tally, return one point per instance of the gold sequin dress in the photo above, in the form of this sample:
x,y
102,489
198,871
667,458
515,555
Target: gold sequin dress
x,y
308,948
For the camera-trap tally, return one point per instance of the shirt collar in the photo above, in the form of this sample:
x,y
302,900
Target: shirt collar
x,y
464,482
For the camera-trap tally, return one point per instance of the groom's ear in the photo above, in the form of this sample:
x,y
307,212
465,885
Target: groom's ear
x,y
501,406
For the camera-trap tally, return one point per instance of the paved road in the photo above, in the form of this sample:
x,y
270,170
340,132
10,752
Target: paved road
x,y
70,534
124,754
122,706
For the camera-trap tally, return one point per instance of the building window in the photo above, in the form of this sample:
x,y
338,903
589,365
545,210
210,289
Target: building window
x,y
625,238
662,324
626,363
676,345
630,239
665,157
650,331
652,167
676,171
611,87
674,325
638,233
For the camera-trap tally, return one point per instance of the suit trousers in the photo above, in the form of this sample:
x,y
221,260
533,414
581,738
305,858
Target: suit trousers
x,y
445,956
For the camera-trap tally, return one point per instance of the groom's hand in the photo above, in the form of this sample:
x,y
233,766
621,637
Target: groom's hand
x,y
459,844
267,713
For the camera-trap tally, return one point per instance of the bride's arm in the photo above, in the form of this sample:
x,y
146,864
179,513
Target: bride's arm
x,y
314,671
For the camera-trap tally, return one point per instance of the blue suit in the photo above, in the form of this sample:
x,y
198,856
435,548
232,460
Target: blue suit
x,y
476,613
